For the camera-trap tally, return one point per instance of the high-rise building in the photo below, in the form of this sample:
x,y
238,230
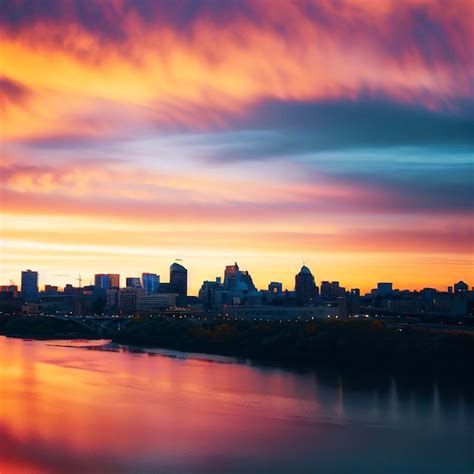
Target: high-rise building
x,y
231,271
107,280
460,287
114,280
326,290
337,290
234,278
305,288
331,290
128,298
29,285
102,281
179,279
207,293
133,282
151,282
384,288
10,289
113,299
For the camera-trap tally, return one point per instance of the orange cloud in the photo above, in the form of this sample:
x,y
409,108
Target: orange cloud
x,y
160,74
118,71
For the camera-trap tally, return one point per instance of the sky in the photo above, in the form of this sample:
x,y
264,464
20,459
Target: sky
x,y
335,133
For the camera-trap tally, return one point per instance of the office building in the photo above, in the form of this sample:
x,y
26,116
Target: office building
x,y
133,282
11,290
305,287
29,285
151,282
330,290
326,290
207,293
128,298
384,289
460,287
107,280
114,280
155,302
238,280
113,299
179,279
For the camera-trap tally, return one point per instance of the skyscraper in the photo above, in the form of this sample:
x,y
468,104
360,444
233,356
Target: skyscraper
x,y
29,285
102,281
114,280
151,282
460,287
133,282
179,279
331,290
305,287
234,277
326,290
107,280
384,288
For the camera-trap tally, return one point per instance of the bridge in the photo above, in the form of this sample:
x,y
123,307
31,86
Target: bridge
x,y
99,325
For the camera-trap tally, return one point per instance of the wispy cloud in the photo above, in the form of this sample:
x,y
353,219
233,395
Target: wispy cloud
x,y
311,128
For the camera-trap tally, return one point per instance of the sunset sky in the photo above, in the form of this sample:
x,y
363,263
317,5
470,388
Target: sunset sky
x,y
338,133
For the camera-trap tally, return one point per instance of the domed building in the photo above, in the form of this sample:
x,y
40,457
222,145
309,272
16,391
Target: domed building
x,y
305,287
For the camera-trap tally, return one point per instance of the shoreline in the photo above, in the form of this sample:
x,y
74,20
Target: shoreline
x,y
343,347
359,379
356,347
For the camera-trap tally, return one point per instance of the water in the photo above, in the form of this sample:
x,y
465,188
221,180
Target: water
x,y
67,408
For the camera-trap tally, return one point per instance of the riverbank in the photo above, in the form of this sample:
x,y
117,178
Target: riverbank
x,y
343,345
39,327
350,346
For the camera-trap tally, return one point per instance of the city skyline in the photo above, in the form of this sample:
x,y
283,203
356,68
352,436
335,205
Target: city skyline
x,y
236,236
336,134
234,295
131,280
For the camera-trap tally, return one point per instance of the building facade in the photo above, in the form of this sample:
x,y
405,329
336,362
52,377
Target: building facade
x,y
133,282
305,287
107,280
29,285
151,282
179,279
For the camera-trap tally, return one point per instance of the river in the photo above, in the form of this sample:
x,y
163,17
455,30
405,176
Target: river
x,y
88,407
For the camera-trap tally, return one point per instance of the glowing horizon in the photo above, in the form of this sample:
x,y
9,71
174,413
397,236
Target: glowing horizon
x,y
134,133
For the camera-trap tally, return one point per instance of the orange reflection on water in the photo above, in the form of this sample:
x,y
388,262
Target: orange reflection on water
x,y
65,408
89,402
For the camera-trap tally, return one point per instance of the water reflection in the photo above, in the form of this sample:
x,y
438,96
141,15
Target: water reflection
x,y
65,408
